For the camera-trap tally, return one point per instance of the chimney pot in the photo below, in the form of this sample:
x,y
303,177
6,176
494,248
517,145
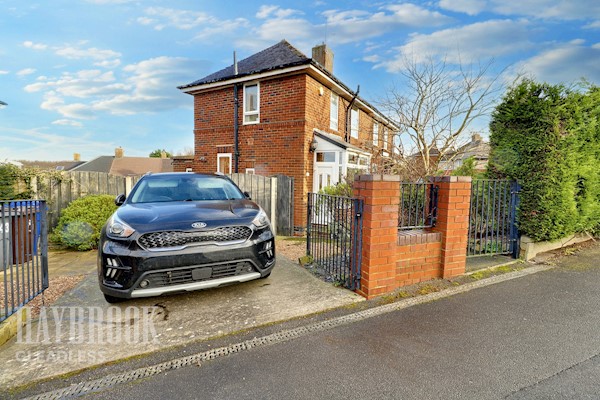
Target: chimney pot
x,y
119,153
324,56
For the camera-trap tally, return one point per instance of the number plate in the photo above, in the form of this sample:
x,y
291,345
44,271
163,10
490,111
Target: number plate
x,y
199,274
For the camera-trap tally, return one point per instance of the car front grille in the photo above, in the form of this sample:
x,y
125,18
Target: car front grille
x,y
187,275
166,239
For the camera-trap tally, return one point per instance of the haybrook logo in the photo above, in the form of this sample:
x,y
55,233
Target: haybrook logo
x,y
89,325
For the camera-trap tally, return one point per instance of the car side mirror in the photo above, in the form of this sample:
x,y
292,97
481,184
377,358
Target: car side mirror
x,y
247,195
119,200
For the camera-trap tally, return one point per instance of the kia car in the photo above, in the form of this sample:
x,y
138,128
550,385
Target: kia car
x,y
179,232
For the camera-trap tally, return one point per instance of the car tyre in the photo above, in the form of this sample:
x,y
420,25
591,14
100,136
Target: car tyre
x,y
112,299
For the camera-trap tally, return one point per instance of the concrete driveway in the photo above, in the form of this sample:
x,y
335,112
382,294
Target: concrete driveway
x,y
81,330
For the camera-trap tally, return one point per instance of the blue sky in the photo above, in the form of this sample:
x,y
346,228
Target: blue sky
x,y
86,76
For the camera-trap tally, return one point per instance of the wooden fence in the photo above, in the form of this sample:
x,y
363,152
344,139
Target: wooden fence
x,y
275,195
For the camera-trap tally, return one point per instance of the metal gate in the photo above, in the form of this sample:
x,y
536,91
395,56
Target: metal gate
x,y
23,253
334,237
492,218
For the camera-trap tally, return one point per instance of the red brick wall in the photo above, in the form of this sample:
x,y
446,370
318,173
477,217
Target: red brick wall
x,y
291,107
393,258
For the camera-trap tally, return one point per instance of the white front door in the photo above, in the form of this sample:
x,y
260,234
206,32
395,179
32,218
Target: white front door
x,y
326,172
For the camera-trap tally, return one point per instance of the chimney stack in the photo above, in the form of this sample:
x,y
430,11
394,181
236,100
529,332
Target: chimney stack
x,y
119,153
76,157
476,137
163,154
324,56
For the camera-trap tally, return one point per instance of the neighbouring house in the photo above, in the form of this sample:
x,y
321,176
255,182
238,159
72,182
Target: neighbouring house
x,y
476,148
121,165
294,117
65,165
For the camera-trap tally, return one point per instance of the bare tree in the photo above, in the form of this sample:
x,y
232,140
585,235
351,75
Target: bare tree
x,y
434,108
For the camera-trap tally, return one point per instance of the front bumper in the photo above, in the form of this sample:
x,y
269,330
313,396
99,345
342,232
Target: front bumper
x,y
127,271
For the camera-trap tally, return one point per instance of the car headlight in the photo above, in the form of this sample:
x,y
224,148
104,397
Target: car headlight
x,y
261,220
116,227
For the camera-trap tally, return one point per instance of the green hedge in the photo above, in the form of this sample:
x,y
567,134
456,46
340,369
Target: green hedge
x,y
548,138
80,223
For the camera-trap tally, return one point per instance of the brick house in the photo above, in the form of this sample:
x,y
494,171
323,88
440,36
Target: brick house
x,y
294,117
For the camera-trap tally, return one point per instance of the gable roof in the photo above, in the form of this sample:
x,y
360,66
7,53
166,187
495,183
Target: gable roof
x,y
281,55
126,166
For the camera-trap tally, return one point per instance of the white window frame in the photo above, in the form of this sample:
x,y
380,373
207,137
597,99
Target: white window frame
x,y
354,122
375,134
396,145
334,109
385,138
224,155
254,112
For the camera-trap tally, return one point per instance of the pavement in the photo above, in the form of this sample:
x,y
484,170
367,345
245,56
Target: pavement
x,y
80,330
535,337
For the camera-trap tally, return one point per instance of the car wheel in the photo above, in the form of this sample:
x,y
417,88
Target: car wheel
x,y
112,299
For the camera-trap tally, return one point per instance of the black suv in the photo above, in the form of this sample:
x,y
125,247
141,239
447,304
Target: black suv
x,y
178,232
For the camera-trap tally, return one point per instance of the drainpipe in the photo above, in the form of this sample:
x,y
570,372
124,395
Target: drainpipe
x,y
347,136
236,104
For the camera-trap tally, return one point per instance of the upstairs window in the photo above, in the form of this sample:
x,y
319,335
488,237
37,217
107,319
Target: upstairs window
x,y
385,138
375,134
333,111
354,123
251,104
396,149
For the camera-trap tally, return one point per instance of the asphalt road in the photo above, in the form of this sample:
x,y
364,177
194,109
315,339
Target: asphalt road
x,y
536,337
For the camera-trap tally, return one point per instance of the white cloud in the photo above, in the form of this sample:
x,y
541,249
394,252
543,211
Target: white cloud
x,y
470,7
67,122
564,63
548,9
26,71
593,25
342,26
106,2
538,9
146,87
161,18
4,72
37,144
267,11
102,57
36,46
479,41
352,25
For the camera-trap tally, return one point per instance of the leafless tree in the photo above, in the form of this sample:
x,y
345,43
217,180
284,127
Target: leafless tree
x,y
435,106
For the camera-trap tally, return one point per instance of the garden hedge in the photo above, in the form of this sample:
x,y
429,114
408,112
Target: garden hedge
x,y
548,138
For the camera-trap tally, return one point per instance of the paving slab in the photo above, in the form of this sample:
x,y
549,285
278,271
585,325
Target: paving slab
x,y
81,330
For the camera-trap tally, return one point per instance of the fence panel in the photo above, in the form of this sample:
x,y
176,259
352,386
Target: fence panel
x,y
334,237
23,253
492,218
418,205
259,188
285,205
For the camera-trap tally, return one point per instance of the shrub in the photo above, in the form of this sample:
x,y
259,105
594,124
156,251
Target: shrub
x,y
547,137
80,223
340,189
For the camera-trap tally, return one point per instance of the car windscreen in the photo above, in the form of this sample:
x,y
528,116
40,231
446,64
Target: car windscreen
x,y
154,189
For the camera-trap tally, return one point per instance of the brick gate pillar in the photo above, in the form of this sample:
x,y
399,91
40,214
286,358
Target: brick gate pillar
x,y
381,194
454,199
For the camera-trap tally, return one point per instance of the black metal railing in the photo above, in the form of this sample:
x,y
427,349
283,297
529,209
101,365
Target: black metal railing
x,y
23,253
492,218
334,237
418,205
